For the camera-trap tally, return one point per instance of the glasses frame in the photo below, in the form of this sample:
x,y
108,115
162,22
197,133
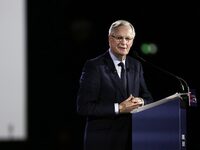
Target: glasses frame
x,y
121,38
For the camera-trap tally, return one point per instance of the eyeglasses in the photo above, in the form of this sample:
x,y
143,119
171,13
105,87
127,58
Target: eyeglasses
x,y
120,38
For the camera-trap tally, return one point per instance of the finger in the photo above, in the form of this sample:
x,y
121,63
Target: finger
x,y
129,98
136,99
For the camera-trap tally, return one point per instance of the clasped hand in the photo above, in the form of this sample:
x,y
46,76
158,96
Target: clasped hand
x,y
130,103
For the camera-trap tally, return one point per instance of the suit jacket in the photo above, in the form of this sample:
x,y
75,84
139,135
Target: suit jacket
x,y
99,89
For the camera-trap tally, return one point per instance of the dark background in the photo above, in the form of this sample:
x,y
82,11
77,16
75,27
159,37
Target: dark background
x,y
62,35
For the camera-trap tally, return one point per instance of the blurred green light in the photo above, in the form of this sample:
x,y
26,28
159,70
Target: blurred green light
x,y
149,48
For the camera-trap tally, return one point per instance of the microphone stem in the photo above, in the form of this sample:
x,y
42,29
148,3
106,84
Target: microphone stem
x,y
182,81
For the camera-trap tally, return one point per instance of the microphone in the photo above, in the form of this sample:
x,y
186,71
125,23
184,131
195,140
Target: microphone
x,y
184,86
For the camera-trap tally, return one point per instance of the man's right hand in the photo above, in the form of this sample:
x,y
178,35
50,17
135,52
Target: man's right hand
x,y
129,104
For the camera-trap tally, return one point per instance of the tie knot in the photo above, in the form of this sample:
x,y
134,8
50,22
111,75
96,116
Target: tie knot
x,y
121,64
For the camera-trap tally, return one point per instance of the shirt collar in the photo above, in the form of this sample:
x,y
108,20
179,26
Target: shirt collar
x,y
115,59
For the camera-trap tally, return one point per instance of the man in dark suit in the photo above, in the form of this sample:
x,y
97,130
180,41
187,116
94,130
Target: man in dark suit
x,y
105,98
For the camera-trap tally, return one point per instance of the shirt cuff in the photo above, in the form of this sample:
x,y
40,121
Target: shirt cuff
x,y
116,105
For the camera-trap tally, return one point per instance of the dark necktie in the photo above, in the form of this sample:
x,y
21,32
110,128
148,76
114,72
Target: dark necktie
x,y
123,76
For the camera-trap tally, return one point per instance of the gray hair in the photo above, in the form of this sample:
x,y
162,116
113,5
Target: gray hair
x,y
118,23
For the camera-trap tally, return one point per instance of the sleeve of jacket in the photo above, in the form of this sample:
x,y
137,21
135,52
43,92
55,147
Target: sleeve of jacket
x,y
88,102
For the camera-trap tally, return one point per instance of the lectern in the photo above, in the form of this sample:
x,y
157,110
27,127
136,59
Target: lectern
x,y
160,125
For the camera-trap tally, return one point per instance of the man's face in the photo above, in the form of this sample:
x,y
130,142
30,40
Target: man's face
x,y
121,41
